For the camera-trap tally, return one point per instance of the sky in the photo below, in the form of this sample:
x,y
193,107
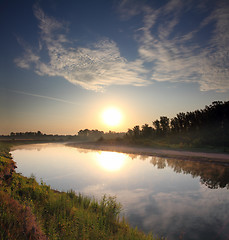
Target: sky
x,y
62,63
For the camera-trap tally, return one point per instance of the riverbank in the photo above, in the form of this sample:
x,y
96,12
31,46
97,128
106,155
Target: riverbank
x,y
30,210
218,158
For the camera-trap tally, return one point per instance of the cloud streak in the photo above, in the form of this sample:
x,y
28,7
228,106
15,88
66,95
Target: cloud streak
x,y
42,96
92,68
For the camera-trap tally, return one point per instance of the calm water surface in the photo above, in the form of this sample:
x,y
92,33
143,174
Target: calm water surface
x,y
172,198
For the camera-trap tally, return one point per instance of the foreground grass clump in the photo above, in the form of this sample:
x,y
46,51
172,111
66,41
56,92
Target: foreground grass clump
x,y
30,210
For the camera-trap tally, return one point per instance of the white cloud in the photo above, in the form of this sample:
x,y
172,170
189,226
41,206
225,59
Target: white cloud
x,y
216,58
176,54
92,68
28,57
181,57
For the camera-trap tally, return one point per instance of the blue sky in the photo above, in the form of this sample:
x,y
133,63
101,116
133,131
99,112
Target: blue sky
x,y
63,62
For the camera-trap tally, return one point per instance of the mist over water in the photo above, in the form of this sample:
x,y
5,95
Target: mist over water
x,y
171,198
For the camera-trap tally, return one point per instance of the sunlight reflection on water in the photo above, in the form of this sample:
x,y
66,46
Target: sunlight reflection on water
x,y
111,161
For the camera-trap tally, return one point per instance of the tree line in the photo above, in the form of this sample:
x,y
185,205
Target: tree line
x,y
95,134
87,133
38,135
206,126
26,134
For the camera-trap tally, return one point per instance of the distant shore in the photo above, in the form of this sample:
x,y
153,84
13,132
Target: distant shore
x,y
218,158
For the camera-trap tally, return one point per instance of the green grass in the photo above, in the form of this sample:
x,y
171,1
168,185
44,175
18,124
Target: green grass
x,y
30,210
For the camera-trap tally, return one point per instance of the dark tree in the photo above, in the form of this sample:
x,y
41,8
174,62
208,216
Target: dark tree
x,y
164,125
146,131
136,131
157,127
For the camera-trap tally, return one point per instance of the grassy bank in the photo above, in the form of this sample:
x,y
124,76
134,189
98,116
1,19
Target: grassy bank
x,y
32,211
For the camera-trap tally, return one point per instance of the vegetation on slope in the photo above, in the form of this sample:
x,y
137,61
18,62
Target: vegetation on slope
x,y
32,211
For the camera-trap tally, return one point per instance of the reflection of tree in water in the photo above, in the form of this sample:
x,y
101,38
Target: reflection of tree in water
x,y
84,150
212,175
156,161
134,156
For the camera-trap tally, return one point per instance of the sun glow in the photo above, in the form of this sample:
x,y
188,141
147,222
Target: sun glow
x,y
112,116
111,161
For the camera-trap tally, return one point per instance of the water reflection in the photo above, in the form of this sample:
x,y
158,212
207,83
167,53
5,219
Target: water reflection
x,y
111,161
169,197
212,175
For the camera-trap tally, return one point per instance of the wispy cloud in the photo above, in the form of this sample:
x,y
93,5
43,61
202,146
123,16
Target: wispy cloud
x,y
42,96
178,52
29,56
215,67
129,8
92,67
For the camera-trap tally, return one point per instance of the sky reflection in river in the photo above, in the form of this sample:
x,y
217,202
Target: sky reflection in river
x,y
170,197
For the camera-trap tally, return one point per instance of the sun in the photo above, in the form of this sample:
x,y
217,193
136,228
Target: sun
x,y
112,116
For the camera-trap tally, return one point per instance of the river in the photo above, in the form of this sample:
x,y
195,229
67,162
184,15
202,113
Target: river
x,y
172,198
